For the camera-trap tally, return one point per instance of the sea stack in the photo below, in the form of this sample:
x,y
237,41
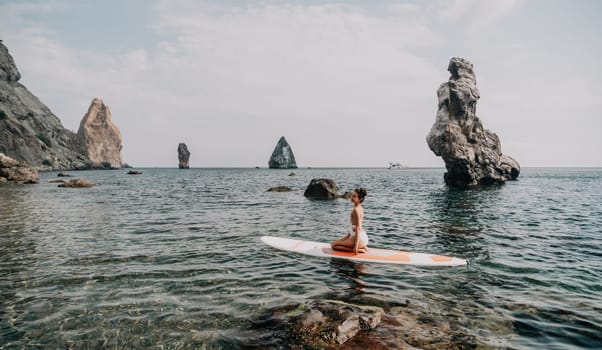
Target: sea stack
x,y
101,137
472,154
29,132
282,157
183,156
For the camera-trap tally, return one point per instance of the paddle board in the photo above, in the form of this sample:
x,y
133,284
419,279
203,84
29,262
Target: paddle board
x,y
376,255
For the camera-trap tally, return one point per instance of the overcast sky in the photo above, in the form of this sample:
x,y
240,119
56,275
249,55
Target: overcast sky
x,y
348,83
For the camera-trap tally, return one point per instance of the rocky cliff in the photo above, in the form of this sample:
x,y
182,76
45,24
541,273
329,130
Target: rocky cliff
x,y
282,157
101,138
472,154
29,132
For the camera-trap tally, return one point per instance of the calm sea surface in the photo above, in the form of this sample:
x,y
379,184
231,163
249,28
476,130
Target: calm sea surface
x,y
172,258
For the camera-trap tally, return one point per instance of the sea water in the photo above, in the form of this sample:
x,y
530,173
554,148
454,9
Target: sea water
x,y
173,258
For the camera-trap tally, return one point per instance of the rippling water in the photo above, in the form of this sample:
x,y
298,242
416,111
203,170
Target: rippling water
x,y
172,258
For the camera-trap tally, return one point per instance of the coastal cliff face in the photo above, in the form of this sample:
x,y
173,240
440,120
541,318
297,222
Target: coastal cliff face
x,y
29,132
282,157
102,138
472,154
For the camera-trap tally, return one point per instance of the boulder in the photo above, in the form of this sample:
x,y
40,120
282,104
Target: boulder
x,y
78,183
322,189
282,157
101,137
12,170
183,156
472,154
29,132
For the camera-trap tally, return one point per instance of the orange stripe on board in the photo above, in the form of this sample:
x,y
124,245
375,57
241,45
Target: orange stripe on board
x,y
401,256
441,258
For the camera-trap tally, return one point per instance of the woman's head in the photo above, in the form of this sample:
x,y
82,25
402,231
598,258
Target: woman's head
x,y
360,193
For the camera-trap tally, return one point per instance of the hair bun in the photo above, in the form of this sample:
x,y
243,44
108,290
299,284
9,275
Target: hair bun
x,y
361,193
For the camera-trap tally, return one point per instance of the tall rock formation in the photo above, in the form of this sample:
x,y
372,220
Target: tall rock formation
x,y
472,154
183,156
29,132
100,136
282,157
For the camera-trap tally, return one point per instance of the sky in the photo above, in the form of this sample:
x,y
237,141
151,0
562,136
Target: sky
x,y
348,83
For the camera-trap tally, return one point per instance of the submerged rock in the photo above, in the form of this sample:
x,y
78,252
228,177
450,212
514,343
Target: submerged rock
x,y
280,189
331,324
183,156
101,137
282,157
12,170
322,189
472,154
134,172
78,183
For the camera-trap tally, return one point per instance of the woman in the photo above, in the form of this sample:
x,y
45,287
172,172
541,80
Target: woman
x,y
357,240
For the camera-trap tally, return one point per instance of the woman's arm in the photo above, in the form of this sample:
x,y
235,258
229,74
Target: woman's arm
x,y
358,229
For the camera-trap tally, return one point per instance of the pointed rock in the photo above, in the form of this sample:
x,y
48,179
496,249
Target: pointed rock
x,y
101,136
183,156
472,154
8,68
282,157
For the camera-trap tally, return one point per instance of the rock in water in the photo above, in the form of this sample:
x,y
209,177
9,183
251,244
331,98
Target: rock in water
x,y
472,154
183,156
101,137
322,189
29,132
282,157
77,183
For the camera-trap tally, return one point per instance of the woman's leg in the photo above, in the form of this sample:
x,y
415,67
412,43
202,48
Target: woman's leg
x,y
347,244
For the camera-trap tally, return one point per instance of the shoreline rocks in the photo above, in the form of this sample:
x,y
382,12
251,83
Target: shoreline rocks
x,y
472,154
183,156
282,156
12,170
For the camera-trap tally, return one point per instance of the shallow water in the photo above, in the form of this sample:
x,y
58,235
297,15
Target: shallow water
x,y
172,257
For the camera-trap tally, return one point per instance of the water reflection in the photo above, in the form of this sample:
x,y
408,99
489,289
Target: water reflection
x,y
17,257
352,273
459,216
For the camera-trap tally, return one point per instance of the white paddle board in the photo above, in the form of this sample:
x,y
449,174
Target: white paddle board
x,y
384,256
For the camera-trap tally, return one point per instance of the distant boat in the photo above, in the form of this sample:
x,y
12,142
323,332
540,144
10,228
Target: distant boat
x,y
395,166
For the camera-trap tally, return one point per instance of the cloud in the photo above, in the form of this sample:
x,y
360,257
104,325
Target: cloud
x,y
348,85
476,15
248,74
